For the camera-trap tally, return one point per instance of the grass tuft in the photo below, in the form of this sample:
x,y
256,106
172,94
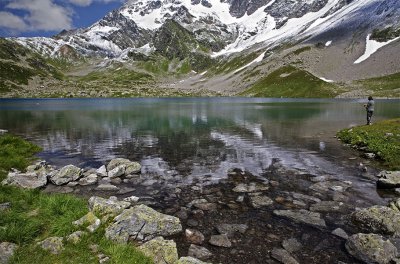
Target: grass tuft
x,y
382,138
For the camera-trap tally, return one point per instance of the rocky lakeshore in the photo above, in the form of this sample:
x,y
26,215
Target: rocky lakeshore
x,y
282,216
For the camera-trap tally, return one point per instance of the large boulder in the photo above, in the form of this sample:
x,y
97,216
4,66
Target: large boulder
x,y
66,174
29,180
107,208
7,251
377,219
371,248
160,250
142,223
124,166
388,180
302,216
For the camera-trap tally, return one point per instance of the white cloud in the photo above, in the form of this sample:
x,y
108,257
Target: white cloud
x,y
81,2
12,22
89,2
43,14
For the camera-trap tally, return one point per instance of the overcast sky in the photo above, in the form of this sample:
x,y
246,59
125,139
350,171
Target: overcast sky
x,y
48,17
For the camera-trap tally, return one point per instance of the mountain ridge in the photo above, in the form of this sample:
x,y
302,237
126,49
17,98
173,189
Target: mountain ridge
x,y
193,36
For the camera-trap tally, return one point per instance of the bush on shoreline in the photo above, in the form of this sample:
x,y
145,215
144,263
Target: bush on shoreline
x,y
382,139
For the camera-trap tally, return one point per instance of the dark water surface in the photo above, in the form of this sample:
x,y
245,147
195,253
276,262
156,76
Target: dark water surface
x,y
196,141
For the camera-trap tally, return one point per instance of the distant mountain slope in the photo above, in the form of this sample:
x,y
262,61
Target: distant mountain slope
x,y
230,46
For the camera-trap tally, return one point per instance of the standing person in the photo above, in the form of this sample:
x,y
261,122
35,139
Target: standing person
x,y
370,109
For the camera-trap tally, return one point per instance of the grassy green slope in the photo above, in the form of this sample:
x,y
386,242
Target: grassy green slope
x,y
18,65
34,216
290,81
382,138
383,86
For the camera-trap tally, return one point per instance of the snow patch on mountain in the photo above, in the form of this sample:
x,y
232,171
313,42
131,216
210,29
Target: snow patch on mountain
x,y
371,47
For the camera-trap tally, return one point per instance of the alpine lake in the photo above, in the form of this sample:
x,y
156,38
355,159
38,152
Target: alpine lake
x,y
246,157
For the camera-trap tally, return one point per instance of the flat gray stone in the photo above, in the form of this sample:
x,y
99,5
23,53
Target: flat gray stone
x,y
291,245
142,223
249,188
106,187
302,216
388,180
220,241
199,252
107,208
260,201
340,233
283,256
29,180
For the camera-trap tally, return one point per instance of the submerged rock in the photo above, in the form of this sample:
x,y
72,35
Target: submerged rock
x,y
371,248
29,180
231,229
52,244
283,256
107,187
249,188
327,206
260,201
302,216
142,223
194,236
66,174
291,245
199,252
220,241
160,250
377,219
7,250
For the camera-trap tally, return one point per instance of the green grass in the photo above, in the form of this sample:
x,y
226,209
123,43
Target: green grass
x,y
301,50
289,81
34,216
375,139
15,153
117,77
383,86
229,65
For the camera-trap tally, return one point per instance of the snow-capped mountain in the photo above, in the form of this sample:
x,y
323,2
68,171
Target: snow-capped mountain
x,y
225,26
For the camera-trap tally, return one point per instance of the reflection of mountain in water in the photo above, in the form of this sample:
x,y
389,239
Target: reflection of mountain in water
x,y
185,137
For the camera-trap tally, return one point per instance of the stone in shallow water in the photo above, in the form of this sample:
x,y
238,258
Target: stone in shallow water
x,y
260,201
194,236
199,252
102,171
283,256
89,180
371,248
291,245
160,250
302,216
249,188
340,233
220,241
142,223
327,206
231,229
107,187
